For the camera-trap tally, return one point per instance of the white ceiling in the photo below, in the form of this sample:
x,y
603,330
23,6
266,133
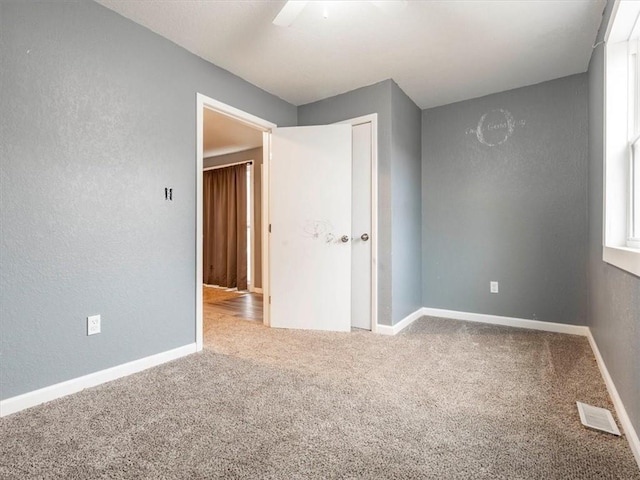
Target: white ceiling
x,y
224,135
438,52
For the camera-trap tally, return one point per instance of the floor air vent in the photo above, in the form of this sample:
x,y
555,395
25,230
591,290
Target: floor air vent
x,y
597,418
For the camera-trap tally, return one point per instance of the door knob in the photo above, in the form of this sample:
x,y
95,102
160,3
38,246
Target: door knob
x,y
364,237
344,238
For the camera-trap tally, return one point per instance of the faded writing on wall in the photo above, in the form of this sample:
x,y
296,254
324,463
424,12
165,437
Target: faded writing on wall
x,y
495,127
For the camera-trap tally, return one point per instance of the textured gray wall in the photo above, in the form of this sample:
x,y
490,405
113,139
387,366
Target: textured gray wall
x,y
98,116
515,212
406,204
363,101
614,295
254,154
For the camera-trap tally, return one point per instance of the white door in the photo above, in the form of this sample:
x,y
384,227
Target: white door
x,y
361,228
310,217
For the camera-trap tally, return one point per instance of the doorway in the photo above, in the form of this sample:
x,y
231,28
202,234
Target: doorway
x,y
230,155
369,284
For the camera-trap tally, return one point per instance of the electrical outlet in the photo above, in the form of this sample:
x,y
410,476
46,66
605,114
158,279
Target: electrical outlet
x,y
493,287
93,324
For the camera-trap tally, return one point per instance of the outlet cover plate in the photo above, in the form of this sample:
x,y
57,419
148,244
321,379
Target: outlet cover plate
x,y
493,287
93,324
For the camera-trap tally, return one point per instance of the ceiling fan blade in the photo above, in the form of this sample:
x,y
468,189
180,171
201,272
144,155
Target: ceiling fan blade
x,y
390,6
289,13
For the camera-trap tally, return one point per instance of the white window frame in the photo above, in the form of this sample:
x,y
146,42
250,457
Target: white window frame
x,y
621,128
633,239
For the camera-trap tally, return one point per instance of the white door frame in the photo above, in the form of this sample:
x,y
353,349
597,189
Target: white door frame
x,y
202,102
373,120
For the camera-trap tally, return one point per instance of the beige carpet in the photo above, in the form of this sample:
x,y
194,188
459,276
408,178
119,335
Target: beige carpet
x,y
442,400
216,295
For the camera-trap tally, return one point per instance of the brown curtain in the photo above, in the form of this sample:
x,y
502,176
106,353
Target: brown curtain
x,y
225,227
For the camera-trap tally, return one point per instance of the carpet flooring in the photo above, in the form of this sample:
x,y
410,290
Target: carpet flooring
x,y
442,400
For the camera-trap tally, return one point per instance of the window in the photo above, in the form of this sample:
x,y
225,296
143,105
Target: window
x,y
634,208
621,236
633,240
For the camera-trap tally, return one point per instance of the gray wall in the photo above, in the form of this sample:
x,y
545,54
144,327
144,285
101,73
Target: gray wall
x,y
406,204
98,116
254,154
514,212
363,101
614,295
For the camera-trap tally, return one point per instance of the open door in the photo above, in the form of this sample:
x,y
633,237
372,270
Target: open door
x,y
310,217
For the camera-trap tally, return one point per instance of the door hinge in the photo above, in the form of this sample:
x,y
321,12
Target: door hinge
x,y
269,228
269,299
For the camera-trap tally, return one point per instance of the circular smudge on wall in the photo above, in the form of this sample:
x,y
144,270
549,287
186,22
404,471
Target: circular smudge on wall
x,y
495,127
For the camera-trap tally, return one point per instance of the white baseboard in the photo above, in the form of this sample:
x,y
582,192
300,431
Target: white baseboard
x,y
257,290
483,318
402,324
46,394
507,321
627,426
384,330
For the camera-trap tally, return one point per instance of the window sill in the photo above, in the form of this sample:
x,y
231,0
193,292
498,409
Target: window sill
x,y
623,257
